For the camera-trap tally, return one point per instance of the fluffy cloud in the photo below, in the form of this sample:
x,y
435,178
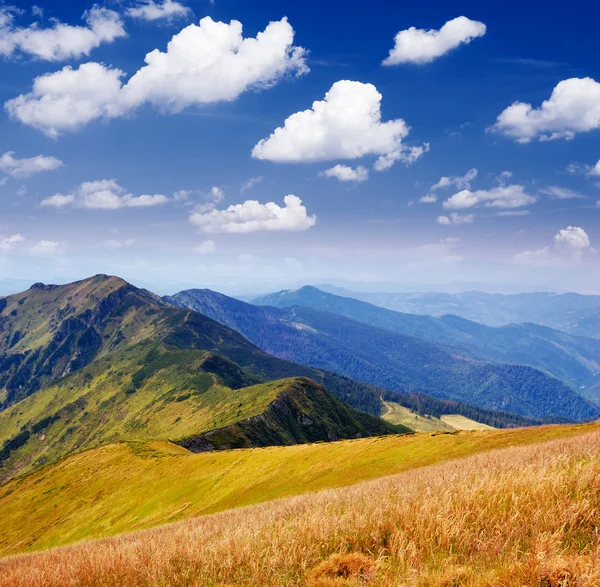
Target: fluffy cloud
x,y
345,125
68,99
206,248
61,41
46,248
570,246
423,46
596,169
252,216
27,167
204,63
454,219
559,193
346,173
9,243
428,199
150,10
460,182
104,194
573,107
511,196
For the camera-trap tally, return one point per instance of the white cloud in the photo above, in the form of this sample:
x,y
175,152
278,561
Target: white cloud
x,y
560,193
346,173
573,107
118,244
150,10
450,240
251,183
428,199
206,248
104,194
406,155
511,196
423,46
514,213
571,246
596,169
204,63
58,201
455,219
345,125
252,216
68,99
61,41
9,243
46,248
27,167
460,181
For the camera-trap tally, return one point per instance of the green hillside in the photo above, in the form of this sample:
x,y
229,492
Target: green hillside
x,y
135,485
99,361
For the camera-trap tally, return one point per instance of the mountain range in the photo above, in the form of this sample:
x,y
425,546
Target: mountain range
x,y
365,343
100,360
570,312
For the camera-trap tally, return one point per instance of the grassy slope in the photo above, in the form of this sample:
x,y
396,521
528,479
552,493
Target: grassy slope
x,y
461,423
397,414
105,491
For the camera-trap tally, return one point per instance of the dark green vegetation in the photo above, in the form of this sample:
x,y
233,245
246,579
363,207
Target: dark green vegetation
x,y
389,359
573,359
99,360
570,312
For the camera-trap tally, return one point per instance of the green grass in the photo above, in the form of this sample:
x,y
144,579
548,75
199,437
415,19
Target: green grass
x,y
130,486
147,392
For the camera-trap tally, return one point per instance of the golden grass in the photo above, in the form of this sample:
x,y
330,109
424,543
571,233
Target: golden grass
x,y
134,486
459,422
519,516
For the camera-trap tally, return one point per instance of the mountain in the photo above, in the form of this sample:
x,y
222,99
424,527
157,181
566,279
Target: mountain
x,y
389,359
573,359
100,360
570,312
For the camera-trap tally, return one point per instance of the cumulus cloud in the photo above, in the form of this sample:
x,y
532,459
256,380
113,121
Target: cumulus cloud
x,y
204,63
206,248
104,194
511,196
68,99
573,107
346,173
150,10
252,216
61,41
346,124
26,167
10,242
570,246
423,46
428,199
460,181
45,248
560,193
596,169
455,219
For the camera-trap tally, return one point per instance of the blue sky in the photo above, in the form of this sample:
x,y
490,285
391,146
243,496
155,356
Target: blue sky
x,y
133,172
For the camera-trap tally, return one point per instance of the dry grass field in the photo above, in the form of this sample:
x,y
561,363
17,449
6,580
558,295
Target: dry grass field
x,y
517,516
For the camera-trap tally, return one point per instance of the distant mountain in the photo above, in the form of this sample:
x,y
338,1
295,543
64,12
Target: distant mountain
x,y
389,359
100,360
572,313
573,359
